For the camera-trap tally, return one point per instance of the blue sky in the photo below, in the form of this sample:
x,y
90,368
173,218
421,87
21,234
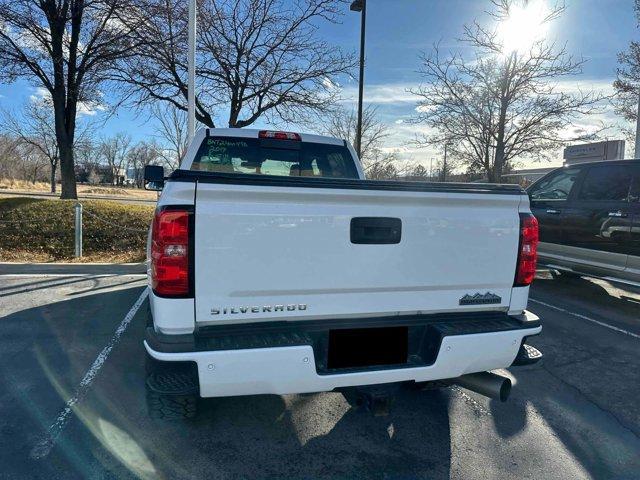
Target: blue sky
x,y
398,31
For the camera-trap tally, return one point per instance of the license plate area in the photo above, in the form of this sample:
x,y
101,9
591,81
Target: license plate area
x,y
368,347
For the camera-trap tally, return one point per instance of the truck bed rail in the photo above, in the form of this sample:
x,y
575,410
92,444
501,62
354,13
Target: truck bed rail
x,y
343,183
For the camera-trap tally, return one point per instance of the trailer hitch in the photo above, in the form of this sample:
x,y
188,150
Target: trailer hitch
x,y
376,399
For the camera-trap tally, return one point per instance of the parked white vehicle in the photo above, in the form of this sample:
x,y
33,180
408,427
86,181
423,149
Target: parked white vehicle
x,y
276,268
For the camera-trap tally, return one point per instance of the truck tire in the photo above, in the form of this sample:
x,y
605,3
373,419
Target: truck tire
x,y
171,407
168,395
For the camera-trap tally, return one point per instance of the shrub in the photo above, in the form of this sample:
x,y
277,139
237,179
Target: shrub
x,y
45,228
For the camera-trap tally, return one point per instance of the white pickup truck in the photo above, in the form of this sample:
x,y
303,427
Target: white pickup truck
x,y
276,268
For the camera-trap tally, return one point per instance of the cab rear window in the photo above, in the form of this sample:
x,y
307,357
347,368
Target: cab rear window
x,y
274,157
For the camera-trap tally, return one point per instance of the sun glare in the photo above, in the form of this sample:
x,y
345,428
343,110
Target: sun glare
x,y
524,26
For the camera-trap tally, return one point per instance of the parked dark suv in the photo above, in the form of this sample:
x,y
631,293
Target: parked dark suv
x,y
589,216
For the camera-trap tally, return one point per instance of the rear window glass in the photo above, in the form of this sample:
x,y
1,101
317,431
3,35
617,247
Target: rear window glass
x,y
608,183
274,157
555,187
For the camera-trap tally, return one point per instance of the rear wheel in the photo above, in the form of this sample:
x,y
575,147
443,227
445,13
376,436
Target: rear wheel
x,y
171,407
171,389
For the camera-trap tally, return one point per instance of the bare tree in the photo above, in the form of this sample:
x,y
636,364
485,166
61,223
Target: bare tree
x,y
377,164
419,171
8,157
88,160
627,83
343,124
383,168
140,155
34,126
446,165
445,168
65,47
30,163
172,131
114,150
500,104
256,58
21,158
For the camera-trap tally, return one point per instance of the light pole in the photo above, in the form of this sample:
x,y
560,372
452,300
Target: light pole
x,y
636,153
443,173
191,81
360,6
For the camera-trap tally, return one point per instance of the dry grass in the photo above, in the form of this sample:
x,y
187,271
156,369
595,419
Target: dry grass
x,y
25,256
23,186
37,230
89,190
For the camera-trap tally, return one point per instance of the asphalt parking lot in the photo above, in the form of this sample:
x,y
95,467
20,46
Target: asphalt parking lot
x,y
72,400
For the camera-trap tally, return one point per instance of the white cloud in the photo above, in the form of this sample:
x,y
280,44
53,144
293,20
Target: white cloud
x,y
90,109
42,95
329,84
424,108
394,93
602,85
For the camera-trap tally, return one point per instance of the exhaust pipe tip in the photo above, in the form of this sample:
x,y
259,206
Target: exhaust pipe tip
x,y
486,383
505,390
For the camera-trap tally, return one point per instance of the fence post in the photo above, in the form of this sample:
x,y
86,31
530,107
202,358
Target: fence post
x,y
78,230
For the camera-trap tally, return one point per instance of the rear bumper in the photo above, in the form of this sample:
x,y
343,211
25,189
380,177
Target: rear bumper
x,y
297,367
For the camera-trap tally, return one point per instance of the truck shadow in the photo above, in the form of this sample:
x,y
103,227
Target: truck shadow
x,y
320,436
623,299
583,392
45,352
592,436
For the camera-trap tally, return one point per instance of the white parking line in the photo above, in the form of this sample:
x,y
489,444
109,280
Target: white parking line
x,y
44,446
584,317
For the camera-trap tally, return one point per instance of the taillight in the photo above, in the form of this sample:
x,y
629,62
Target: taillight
x,y
279,135
528,252
170,252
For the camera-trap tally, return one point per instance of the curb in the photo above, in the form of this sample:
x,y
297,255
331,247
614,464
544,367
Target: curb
x,y
11,268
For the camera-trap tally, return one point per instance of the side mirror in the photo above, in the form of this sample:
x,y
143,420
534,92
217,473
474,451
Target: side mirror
x,y
153,177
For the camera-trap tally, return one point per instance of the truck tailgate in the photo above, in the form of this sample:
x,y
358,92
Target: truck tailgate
x,y
279,252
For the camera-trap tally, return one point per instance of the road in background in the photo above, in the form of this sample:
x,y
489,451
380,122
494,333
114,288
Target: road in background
x,y
574,416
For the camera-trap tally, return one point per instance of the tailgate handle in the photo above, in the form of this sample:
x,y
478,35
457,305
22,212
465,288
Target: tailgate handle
x,y
376,230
